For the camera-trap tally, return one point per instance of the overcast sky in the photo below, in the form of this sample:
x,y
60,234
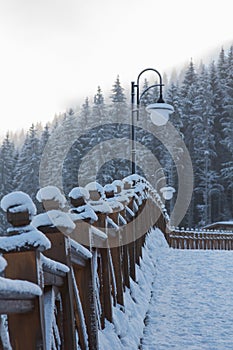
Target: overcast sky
x,y
56,52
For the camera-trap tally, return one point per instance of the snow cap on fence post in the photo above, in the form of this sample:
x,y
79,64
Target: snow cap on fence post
x,y
51,198
20,211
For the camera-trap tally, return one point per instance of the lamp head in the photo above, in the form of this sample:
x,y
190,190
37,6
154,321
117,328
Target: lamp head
x,y
159,112
167,192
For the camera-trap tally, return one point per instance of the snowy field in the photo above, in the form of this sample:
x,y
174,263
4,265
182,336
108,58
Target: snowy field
x,y
192,301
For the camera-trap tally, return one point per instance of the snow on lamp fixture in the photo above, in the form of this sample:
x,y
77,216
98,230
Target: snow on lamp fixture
x,y
167,192
159,112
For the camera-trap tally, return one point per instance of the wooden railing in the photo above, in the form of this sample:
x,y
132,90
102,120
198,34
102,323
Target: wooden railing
x,y
185,239
63,291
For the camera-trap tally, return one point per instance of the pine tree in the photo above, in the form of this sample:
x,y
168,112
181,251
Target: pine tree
x,y
27,168
227,129
7,168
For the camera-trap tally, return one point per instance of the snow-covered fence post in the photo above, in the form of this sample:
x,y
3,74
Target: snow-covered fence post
x,y
124,200
130,229
54,224
105,277
115,243
102,209
21,247
82,214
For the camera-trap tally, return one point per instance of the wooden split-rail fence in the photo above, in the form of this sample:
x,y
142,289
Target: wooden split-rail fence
x,y
56,293
200,239
58,288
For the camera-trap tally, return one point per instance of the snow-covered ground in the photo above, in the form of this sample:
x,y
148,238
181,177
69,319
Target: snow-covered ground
x,y
192,301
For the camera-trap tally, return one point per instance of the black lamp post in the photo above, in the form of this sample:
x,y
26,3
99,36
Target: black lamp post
x,y
159,111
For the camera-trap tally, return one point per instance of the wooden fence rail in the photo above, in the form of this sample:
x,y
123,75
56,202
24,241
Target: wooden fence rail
x,y
200,240
62,291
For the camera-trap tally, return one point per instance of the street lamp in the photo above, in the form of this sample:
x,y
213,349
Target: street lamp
x,y
159,111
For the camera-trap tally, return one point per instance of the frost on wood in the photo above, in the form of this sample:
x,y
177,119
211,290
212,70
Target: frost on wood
x,y
51,193
17,202
3,264
26,236
80,310
54,218
4,334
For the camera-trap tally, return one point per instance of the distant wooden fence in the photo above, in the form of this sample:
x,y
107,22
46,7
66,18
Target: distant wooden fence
x,y
66,292
185,239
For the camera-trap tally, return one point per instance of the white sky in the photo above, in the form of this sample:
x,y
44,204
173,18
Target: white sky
x,y
56,52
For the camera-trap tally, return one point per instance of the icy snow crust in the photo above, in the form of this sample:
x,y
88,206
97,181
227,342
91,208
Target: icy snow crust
x,y
17,202
192,301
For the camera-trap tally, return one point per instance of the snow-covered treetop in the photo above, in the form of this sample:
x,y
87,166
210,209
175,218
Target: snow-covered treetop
x,y
79,192
17,202
3,264
51,193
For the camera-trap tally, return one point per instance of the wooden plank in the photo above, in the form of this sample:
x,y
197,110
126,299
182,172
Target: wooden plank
x,y
25,266
9,306
86,287
52,279
60,251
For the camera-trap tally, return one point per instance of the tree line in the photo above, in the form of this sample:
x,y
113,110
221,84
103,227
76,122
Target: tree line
x,y
101,132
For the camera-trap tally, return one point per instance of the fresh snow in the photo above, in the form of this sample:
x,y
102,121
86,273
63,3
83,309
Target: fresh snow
x,y
80,249
95,186
3,264
115,204
18,288
28,236
100,206
51,193
192,301
110,188
18,201
54,265
98,233
128,321
55,218
79,192
83,212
